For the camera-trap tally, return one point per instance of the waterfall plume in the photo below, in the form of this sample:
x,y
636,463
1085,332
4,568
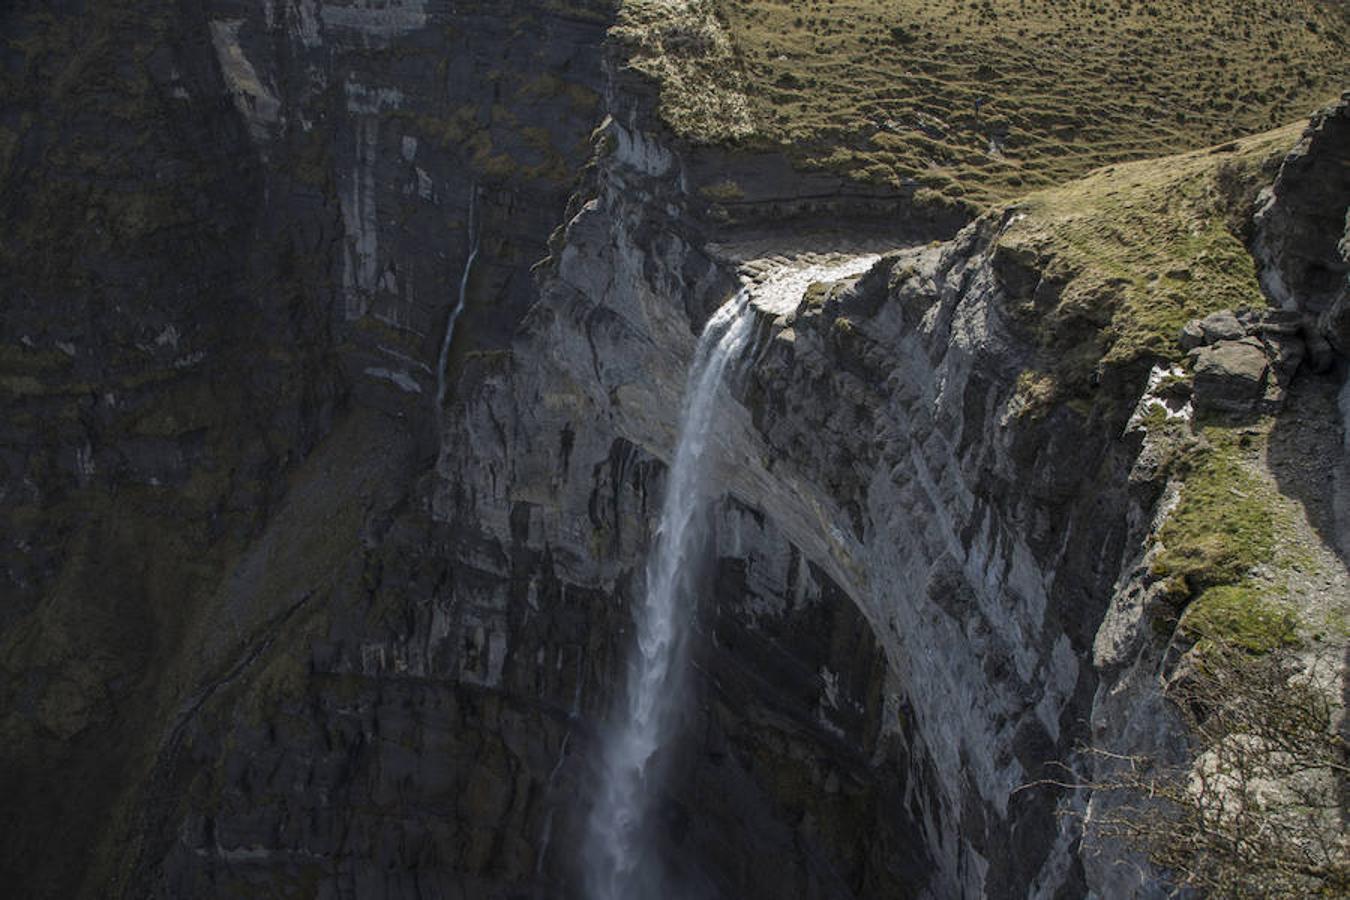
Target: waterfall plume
x,y
621,859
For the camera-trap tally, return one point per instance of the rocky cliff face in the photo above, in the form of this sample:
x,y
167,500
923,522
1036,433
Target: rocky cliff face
x,y
274,624
882,448
238,231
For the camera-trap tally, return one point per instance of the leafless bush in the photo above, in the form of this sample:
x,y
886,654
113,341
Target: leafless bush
x,y
1260,811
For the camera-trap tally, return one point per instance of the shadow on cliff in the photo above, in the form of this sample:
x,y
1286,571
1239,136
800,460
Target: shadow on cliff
x,y
1308,455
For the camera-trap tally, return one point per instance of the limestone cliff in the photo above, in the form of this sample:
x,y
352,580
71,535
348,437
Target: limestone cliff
x,y
275,625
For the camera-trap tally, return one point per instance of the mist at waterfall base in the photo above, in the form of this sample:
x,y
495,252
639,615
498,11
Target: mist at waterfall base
x,y
623,849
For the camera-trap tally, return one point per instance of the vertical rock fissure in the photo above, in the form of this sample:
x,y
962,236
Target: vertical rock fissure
x,y
443,360
621,859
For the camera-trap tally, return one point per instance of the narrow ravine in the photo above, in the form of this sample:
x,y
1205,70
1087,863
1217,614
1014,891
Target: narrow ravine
x,y
621,856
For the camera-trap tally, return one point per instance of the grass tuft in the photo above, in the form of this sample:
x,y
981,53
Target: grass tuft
x,y
1224,525
1239,616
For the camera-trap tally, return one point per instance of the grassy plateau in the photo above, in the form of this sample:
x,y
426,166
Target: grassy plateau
x,y
984,100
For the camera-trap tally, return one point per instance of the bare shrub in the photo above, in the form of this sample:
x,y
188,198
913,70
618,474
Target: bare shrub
x,y
1261,809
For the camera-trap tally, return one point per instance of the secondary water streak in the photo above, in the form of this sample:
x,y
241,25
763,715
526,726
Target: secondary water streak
x,y
444,359
546,835
621,861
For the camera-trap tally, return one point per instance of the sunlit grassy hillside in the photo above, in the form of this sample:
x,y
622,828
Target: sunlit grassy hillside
x,y
987,99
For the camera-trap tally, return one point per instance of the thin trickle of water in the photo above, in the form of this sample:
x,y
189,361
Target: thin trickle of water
x,y
444,359
621,861
546,837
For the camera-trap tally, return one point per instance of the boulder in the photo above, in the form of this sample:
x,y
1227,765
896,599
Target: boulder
x,y
1248,358
1231,376
1219,326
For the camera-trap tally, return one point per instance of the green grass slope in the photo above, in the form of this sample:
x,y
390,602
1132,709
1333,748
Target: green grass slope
x,y
984,100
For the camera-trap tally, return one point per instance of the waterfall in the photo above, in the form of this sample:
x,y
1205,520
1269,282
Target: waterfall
x,y
620,860
444,359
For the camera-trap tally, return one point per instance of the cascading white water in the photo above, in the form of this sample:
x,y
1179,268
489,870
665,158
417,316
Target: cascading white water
x,y
443,360
620,859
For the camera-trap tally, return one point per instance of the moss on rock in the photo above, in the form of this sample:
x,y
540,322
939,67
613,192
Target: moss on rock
x,y
1224,525
1239,616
